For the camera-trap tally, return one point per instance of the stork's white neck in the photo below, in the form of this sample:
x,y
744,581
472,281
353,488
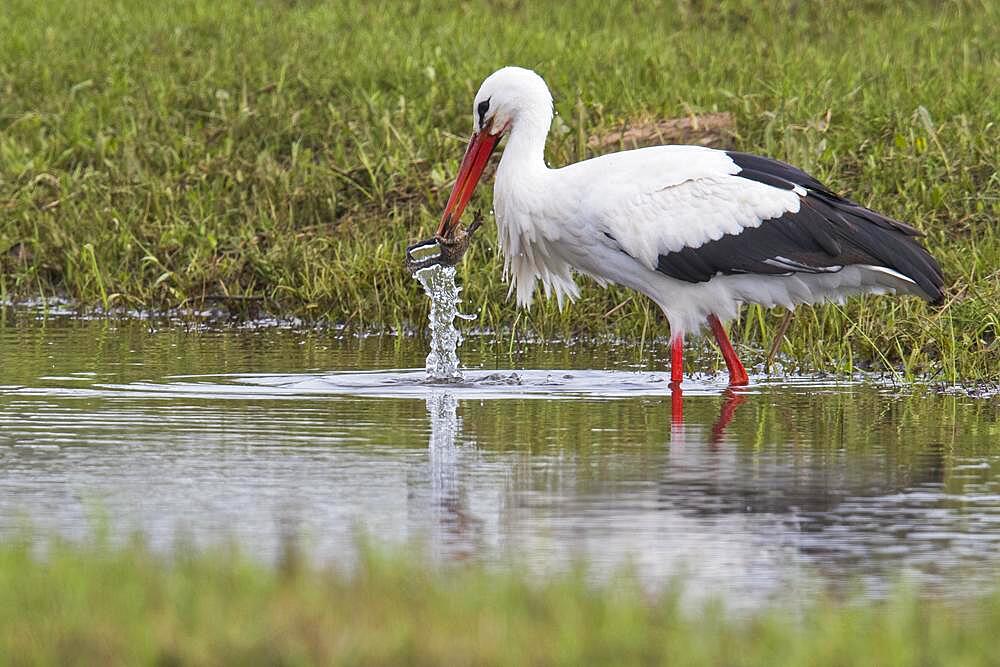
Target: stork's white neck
x,y
521,197
524,154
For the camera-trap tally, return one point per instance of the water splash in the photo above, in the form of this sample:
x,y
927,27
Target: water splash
x,y
442,363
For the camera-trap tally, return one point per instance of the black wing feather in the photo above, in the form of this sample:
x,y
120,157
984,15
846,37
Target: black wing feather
x,y
826,233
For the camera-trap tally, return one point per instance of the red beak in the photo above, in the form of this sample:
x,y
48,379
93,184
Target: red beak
x,y
481,146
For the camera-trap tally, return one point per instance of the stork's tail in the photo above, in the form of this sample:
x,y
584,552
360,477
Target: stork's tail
x,y
893,244
896,247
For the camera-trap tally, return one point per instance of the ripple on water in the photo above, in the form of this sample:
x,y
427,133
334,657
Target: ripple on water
x,y
413,383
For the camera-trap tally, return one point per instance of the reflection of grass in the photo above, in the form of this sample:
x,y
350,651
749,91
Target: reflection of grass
x,y
90,605
281,154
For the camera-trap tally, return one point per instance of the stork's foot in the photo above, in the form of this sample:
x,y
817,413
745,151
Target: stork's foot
x,y
450,250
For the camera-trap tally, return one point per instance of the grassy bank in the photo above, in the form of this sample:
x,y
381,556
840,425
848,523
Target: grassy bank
x,y
278,155
92,605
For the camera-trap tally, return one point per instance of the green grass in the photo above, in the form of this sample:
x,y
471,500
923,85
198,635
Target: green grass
x,y
94,605
279,154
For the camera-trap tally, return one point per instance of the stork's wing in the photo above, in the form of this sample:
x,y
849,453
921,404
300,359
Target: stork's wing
x,y
757,215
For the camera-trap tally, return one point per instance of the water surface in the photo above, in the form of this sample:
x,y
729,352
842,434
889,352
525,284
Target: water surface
x,y
545,455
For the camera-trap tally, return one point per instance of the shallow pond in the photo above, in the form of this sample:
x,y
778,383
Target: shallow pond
x,y
545,456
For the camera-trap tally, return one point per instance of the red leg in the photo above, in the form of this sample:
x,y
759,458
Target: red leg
x,y
677,359
737,374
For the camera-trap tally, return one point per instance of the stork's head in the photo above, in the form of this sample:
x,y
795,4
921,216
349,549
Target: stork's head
x,y
507,98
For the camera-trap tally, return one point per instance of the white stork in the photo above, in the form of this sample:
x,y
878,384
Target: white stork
x,y
699,231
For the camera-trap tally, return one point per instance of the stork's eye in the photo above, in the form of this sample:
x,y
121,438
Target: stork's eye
x,y
483,107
